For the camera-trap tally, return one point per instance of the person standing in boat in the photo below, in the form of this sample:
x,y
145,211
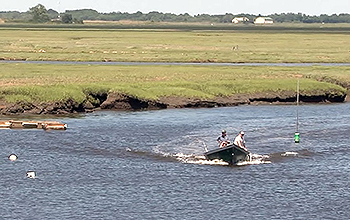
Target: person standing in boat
x,y
223,139
239,141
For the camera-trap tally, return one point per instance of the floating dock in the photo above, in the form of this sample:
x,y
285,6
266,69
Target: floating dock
x,y
46,125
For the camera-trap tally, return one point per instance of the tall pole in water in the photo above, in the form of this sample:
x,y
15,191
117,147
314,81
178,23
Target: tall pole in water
x,y
296,135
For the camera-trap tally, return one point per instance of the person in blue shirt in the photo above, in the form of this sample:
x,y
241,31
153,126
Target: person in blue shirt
x,y
223,139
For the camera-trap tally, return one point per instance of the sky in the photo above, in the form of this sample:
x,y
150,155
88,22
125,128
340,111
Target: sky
x,y
193,7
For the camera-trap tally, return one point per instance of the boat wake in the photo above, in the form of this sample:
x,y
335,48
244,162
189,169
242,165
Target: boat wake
x,y
298,153
289,154
193,155
280,156
256,159
193,159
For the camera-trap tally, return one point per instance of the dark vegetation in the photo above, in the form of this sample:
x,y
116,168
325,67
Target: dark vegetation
x,y
39,14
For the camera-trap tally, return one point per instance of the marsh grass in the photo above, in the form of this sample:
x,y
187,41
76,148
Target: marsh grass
x,y
153,42
256,44
47,82
51,93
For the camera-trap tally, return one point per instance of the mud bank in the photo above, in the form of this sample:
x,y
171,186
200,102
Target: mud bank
x,y
124,102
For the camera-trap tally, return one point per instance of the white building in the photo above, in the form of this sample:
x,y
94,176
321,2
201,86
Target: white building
x,y
237,20
263,20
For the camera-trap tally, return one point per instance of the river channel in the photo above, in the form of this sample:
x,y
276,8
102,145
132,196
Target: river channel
x,y
149,165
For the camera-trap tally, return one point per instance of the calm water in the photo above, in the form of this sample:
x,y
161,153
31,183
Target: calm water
x,y
147,165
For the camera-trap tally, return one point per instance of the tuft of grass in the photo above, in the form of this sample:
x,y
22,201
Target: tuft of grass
x,y
43,93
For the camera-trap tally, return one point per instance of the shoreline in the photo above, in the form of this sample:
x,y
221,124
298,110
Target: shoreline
x,y
125,102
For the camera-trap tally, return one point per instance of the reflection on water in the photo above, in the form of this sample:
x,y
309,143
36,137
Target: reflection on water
x,y
150,165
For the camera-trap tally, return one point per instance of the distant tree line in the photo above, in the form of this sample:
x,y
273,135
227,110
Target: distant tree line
x,y
39,14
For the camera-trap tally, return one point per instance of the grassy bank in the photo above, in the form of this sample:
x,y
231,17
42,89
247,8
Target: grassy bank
x,y
177,43
153,42
47,83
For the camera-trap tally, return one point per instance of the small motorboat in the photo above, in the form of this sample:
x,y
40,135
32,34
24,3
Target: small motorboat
x,y
231,154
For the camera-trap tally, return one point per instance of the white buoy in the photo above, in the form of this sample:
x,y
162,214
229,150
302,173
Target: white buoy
x,y
31,174
13,157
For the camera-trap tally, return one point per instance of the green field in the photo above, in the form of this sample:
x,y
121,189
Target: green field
x,y
48,82
237,44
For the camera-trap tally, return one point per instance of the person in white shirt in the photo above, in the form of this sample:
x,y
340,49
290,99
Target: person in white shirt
x,y
239,141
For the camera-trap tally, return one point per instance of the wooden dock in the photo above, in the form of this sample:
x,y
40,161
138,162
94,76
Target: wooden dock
x,y
46,125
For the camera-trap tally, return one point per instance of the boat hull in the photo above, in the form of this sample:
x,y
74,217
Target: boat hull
x,y
231,154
